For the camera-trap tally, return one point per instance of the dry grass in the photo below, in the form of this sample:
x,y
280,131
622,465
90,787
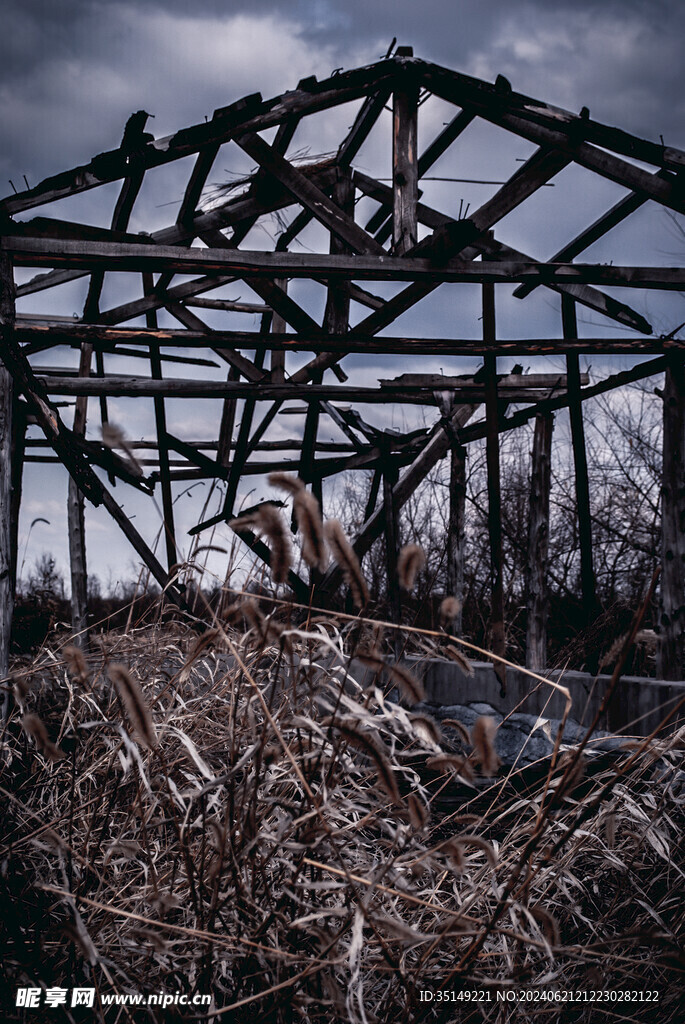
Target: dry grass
x,y
237,816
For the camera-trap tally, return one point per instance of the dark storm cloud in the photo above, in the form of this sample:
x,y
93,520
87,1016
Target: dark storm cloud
x,y
72,71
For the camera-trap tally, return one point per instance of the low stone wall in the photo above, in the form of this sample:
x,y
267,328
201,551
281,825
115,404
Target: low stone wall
x,y
637,706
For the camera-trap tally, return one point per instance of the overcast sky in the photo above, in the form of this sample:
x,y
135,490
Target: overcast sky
x,y
72,71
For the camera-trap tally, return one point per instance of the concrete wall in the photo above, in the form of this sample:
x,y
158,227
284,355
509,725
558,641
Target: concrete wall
x,y
637,707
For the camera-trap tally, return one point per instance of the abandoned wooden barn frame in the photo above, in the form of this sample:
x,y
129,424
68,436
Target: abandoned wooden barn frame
x,y
404,240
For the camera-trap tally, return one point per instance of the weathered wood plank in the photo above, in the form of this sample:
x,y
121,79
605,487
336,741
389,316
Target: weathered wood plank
x,y
44,335
404,167
496,623
587,571
537,603
241,263
363,123
162,438
6,407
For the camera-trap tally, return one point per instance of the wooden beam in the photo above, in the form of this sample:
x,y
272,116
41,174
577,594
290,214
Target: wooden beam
x,y
537,602
391,514
589,297
311,197
671,650
6,406
240,263
595,231
336,322
381,222
456,529
558,129
145,387
587,571
40,336
496,624
162,437
363,123
404,166
76,519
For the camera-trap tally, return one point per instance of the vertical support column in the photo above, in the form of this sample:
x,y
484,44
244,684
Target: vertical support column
x,y
671,653
278,326
17,457
76,522
227,424
390,476
160,427
456,529
6,405
404,165
336,321
587,570
538,543
497,643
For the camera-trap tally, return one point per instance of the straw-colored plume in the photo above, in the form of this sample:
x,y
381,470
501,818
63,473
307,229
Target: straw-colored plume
x,y
454,654
285,482
308,518
34,727
449,609
134,702
268,521
374,748
419,814
114,437
76,663
344,555
410,562
483,740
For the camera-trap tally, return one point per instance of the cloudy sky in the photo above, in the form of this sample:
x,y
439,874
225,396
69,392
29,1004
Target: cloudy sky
x,y
72,71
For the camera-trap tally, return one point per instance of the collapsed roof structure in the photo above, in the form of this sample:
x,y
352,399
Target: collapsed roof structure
x,y
375,231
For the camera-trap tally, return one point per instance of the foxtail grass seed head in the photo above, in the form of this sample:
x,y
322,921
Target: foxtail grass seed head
x,y
310,526
410,562
114,437
419,814
268,521
34,727
135,705
449,609
343,553
76,663
483,740
454,654
285,482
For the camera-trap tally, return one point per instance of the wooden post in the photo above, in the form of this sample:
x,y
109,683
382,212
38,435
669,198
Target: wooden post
x,y
390,475
6,403
671,653
336,321
17,463
278,326
76,522
497,642
456,529
162,443
587,571
538,542
404,166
